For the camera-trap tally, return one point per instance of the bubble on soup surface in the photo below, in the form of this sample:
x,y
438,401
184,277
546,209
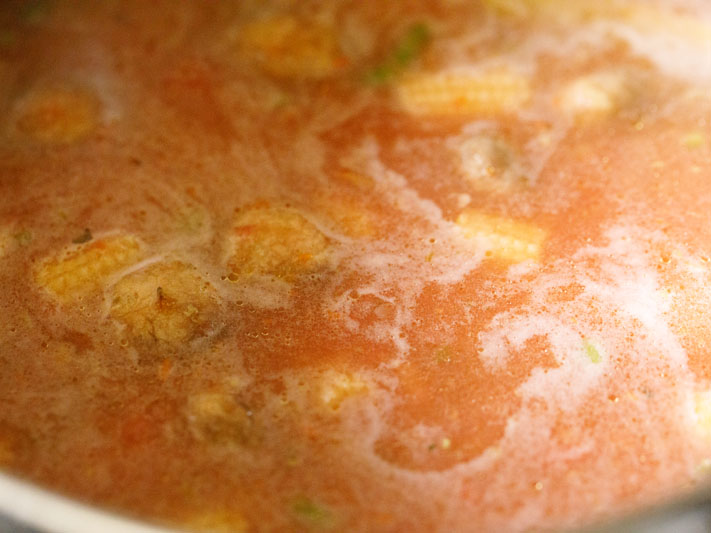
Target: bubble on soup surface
x,y
88,267
275,241
167,303
57,115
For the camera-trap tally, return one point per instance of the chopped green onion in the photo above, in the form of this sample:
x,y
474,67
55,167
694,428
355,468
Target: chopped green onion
x,y
405,52
592,352
309,511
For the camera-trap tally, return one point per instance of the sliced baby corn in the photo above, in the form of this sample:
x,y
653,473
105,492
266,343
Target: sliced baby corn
x,y
84,268
489,92
57,115
168,303
275,241
501,237
293,48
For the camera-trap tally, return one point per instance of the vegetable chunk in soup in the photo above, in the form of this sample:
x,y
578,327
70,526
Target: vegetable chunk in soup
x,y
356,266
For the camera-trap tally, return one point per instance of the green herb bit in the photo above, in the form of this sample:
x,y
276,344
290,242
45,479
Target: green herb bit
x,y
592,352
405,52
309,511
85,236
23,237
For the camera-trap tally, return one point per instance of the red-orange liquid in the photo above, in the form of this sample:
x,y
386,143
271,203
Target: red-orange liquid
x,y
411,380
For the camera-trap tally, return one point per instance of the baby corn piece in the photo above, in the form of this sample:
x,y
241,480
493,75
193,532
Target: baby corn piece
x,y
276,242
501,237
86,267
288,47
491,92
165,303
58,115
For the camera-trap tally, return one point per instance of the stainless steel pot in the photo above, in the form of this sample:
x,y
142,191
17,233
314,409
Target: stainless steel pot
x,y
25,508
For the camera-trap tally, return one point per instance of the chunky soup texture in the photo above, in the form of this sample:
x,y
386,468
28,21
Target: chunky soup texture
x,y
356,265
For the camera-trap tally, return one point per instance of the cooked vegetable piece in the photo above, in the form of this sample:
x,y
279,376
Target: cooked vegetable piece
x,y
490,164
288,47
312,513
84,236
592,352
491,92
277,242
595,95
218,418
337,387
57,115
405,52
501,237
169,303
83,268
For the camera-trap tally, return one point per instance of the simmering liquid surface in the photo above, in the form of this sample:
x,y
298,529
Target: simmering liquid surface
x,y
356,265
